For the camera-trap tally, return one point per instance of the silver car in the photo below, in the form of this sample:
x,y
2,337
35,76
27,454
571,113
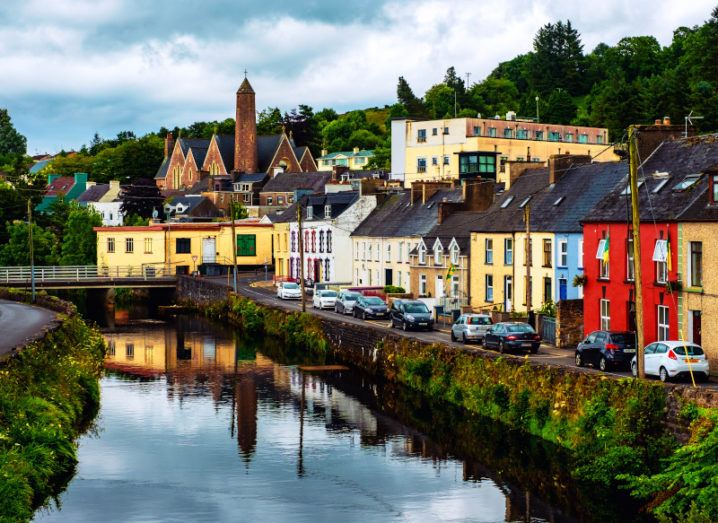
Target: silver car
x,y
345,302
470,327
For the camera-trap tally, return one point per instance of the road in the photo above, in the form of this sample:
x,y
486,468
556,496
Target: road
x,y
547,354
20,322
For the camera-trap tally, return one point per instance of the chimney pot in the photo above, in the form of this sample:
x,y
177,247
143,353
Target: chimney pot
x,y
658,121
666,120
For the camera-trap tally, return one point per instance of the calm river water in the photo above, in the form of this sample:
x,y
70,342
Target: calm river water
x,y
197,424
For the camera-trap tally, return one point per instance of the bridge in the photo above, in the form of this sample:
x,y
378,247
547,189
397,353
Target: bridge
x,y
89,277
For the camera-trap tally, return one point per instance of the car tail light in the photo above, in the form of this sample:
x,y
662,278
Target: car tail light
x,y
537,337
611,346
672,355
511,338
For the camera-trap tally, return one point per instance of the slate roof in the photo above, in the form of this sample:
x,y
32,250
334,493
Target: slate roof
x,y
193,143
290,182
396,217
162,171
94,193
457,225
250,177
266,147
225,143
38,166
340,202
60,185
659,199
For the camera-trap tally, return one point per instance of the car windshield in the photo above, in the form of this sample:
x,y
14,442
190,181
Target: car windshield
x,y
291,286
523,327
329,294
373,300
416,307
624,338
479,320
351,296
693,350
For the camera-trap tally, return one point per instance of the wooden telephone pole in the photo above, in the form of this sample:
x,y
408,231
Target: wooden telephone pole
x,y
636,232
234,246
527,256
301,255
32,248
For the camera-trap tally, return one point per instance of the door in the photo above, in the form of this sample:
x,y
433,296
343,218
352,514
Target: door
x,y
318,270
562,289
388,277
508,293
439,290
209,250
696,327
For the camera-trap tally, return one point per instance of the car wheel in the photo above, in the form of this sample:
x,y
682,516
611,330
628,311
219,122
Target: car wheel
x,y
579,360
634,370
602,364
404,326
464,340
663,375
363,315
453,338
533,350
502,347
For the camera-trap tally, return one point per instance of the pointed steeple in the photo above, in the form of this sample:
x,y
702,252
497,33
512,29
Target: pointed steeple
x,y
246,87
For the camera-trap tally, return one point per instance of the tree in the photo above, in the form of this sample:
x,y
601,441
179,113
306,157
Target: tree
x,y
304,128
11,141
494,96
614,104
269,121
440,101
560,108
408,99
141,198
79,244
557,60
454,81
238,211
16,251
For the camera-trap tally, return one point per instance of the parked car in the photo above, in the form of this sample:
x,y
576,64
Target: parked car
x,y
370,307
324,299
512,335
670,359
411,314
288,290
606,349
470,327
345,302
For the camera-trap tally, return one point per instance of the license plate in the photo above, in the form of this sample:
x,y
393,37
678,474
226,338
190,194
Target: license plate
x,y
526,344
690,360
629,351
424,324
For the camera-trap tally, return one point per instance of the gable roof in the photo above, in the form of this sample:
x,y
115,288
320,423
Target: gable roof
x,y
162,171
348,154
266,149
396,217
290,182
225,144
60,185
94,193
658,199
457,226
339,202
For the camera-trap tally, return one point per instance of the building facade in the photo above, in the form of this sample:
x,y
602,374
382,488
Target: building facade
x,y
355,160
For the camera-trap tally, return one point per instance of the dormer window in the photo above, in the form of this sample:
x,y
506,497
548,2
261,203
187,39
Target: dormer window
x,y
438,255
327,212
455,255
627,190
714,189
310,212
687,182
422,254
526,201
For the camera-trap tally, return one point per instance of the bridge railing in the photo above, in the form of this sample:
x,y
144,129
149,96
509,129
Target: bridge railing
x,y
79,273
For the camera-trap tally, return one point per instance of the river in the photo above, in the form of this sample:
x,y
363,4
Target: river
x,y
199,424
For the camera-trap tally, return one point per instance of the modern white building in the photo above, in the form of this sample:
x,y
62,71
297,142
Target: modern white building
x,y
105,199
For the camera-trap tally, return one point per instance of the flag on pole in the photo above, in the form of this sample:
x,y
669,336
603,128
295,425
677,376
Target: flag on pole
x,y
451,271
605,250
668,254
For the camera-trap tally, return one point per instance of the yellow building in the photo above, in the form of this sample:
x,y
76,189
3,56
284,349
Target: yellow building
x,y
184,247
356,159
464,148
493,271
281,250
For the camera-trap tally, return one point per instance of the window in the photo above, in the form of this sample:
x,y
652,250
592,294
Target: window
x,y
314,241
568,137
663,327
599,139
547,289
183,245
455,254
630,261
507,202
508,133
294,241
580,254
539,135
522,134
421,135
476,164
508,251
446,130
422,285
310,212
269,200
388,252
660,256
422,254
438,255
446,160
148,245
660,186
554,136
547,253
563,253
687,182
489,288
605,315
558,201
327,212
111,348
477,130
526,201
695,267
602,257
329,241
130,351
129,245
454,286
583,138
488,251
280,200
434,131
421,165
492,132
377,252
246,197
714,189
321,241
400,254
434,160
110,245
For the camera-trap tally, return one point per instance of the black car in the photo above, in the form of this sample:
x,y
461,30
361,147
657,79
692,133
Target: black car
x,y
370,307
606,349
512,335
411,314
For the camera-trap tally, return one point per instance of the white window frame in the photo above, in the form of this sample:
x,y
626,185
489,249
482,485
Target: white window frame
x,y
563,253
508,251
580,254
400,254
422,254
455,254
663,323
388,252
422,284
489,251
489,288
377,253
438,255
605,312
660,257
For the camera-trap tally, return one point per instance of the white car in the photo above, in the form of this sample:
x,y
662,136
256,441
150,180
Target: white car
x,y
668,359
288,290
325,299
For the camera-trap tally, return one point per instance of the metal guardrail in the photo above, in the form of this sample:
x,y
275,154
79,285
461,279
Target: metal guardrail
x,y
83,273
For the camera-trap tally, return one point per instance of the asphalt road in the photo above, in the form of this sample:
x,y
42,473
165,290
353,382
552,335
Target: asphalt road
x,y
547,354
20,322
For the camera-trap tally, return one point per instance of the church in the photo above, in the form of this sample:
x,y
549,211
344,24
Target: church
x,y
189,160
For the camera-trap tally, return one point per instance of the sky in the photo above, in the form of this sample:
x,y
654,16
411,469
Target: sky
x,y
70,68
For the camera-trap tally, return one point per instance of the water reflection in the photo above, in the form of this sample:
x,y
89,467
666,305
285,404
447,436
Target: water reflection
x,y
304,446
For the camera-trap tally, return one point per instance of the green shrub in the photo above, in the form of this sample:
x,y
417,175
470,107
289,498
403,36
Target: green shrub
x,y
393,289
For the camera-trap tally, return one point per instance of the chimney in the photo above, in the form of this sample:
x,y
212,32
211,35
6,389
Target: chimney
x,y
356,150
516,169
169,144
324,152
90,184
338,170
666,120
649,137
657,121
558,164
478,194
114,185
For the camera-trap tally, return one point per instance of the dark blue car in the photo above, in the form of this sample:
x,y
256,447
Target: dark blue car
x,y
507,336
607,349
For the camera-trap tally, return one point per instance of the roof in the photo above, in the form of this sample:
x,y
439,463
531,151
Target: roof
x,y
658,197
60,185
94,193
458,226
245,87
339,203
250,177
290,182
348,154
396,217
162,171
225,143
38,166
266,149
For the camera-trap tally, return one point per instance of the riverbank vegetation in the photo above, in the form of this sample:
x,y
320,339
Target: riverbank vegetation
x,y
49,392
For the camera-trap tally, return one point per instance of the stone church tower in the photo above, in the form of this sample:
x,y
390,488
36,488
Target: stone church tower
x,y
245,131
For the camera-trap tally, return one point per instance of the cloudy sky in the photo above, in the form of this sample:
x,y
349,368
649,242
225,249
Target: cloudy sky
x,y
70,68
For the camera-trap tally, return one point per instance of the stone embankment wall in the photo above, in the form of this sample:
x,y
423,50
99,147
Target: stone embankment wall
x,y
200,291
569,323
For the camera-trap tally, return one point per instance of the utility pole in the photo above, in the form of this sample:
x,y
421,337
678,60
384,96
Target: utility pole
x,y
527,255
638,281
234,245
32,248
301,255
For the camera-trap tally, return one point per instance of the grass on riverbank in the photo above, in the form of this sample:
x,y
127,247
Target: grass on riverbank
x,y
48,394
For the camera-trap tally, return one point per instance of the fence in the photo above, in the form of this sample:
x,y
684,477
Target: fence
x,y
548,330
82,273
